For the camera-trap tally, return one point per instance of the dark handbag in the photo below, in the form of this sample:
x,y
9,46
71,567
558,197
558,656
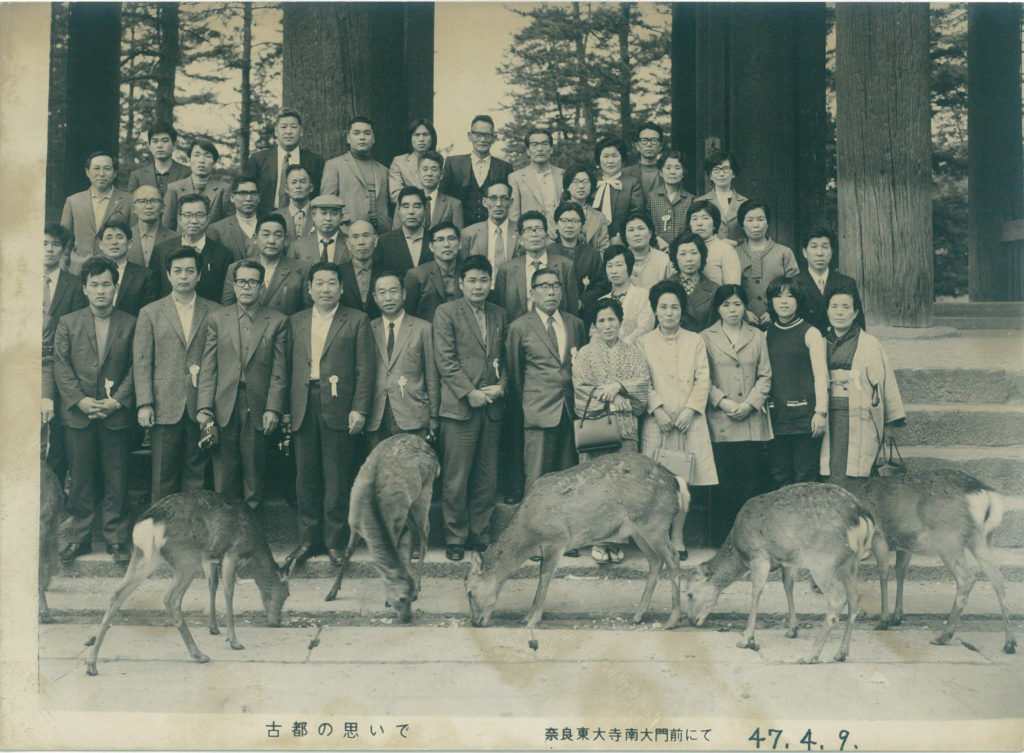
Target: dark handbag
x,y
888,466
597,433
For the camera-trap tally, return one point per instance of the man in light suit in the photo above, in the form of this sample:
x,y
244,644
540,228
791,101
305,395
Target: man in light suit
x,y
237,232
328,242
496,238
333,371
818,280
406,246
202,157
408,393
283,284
539,349
148,232
163,170
466,175
438,206
266,167
360,181
435,282
170,338
243,385
297,210
214,259
512,289
469,346
136,285
538,186
86,211
92,366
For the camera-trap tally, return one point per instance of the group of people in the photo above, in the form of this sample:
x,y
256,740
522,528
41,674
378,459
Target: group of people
x,y
491,310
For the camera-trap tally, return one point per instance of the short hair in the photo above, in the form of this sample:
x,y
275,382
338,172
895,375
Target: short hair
x,y
544,271
294,169
749,206
58,232
94,266
433,157
569,206
324,266
724,293
643,217
185,252
705,205
533,214
613,142
287,112
716,157
791,284
276,217
819,232
100,153
617,249
602,304
159,127
238,180
360,119
845,288
497,182
570,175
482,119
426,124
649,125
687,236
384,272
206,145
443,225
411,191
248,264
194,198
666,287
474,262
121,225
533,132
672,154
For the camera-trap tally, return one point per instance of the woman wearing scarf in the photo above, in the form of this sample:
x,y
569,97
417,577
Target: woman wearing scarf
x,y
616,196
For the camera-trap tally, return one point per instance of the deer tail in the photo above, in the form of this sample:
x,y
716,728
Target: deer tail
x,y
986,508
859,535
148,540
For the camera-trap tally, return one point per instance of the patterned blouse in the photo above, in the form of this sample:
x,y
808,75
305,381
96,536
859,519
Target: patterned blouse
x,y
596,364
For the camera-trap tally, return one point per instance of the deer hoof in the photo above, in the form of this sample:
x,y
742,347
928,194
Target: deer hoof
x,y
896,621
45,618
637,618
841,656
330,596
811,660
791,633
1010,647
236,645
882,625
672,622
749,643
214,630
942,640
90,669
201,658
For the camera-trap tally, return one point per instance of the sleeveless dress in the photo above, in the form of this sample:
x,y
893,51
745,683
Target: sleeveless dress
x,y
791,402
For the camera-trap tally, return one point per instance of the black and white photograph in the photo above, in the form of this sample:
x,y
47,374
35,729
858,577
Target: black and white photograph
x,y
512,376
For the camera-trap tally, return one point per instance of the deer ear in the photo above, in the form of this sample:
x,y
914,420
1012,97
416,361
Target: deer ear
x,y
476,563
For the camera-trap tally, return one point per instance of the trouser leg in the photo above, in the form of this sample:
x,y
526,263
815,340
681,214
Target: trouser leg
x,y
114,448
84,459
458,440
483,480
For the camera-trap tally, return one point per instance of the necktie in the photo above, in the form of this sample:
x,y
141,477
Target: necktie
x,y
391,339
821,285
427,212
299,218
552,335
47,296
529,285
282,197
323,254
499,248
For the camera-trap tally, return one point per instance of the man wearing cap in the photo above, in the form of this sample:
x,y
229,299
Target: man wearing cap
x,y
327,243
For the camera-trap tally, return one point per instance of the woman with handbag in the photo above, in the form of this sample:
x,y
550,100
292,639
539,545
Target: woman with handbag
x,y
612,375
676,432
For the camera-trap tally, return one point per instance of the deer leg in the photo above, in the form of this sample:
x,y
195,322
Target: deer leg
x,y
230,565
788,579
654,560
172,601
848,575
212,571
353,542
551,553
964,582
670,559
979,547
759,569
826,579
902,568
138,570
880,549
419,516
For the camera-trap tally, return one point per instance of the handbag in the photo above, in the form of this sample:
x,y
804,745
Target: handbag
x,y
597,433
681,463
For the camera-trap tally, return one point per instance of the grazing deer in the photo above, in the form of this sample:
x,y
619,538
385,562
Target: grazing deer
x,y
192,532
605,499
391,498
944,513
817,526
51,502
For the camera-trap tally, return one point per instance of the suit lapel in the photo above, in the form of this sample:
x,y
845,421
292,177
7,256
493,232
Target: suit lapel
x,y
349,161
542,332
377,325
437,280
470,317
234,329
336,322
280,274
401,338
171,314
113,331
260,322
90,331
60,289
114,205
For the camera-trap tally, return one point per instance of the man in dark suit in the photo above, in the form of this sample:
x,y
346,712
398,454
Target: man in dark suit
x,y
92,364
202,157
333,370
328,242
434,282
438,206
283,286
267,167
237,232
539,349
163,170
170,338
243,385
86,211
357,272
406,247
818,281
466,175
148,231
469,346
511,286
214,259
136,285
649,140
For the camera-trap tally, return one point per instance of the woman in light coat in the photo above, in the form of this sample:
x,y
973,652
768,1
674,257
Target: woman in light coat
x,y
680,381
741,378
762,259
723,263
404,170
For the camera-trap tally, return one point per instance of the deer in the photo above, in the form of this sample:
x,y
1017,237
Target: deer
x,y
820,527
943,512
51,502
193,532
604,499
390,499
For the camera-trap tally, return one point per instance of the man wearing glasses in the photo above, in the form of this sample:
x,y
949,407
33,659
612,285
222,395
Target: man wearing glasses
x,y
496,237
538,186
466,175
148,232
214,258
649,141
243,384
238,232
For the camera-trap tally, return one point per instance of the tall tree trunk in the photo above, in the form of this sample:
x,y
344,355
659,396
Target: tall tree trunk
x,y
583,81
128,139
167,64
245,117
883,145
625,74
56,132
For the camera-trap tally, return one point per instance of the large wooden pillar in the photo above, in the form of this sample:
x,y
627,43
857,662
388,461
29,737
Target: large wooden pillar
x,y
883,145
994,155
750,77
347,59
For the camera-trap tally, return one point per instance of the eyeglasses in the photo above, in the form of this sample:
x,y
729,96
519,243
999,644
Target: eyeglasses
x,y
148,202
580,182
193,215
548,286
502,199
533,229
481,135
570,221
647,141
248,283
721,169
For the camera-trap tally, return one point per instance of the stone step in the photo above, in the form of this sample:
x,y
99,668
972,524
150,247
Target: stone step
x,y
964,424
1008,309
972,322
959,385
1000,467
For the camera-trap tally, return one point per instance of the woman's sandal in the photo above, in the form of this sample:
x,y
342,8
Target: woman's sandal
x,y
615,554
600,555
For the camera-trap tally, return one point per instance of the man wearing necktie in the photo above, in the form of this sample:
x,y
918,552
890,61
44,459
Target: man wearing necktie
x,y
327,242
296,209
267,166
467,175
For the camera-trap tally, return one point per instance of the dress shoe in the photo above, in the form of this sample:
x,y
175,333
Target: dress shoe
x,y
297,557
336,556
455,552
74,549
119,552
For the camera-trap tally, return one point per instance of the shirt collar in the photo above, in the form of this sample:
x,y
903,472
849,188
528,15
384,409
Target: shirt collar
x,y
242,312
294,153
543,259
397,322
190,305
325,317
492,227
557,316
321,239
417,236
95,196
362,266
816,276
